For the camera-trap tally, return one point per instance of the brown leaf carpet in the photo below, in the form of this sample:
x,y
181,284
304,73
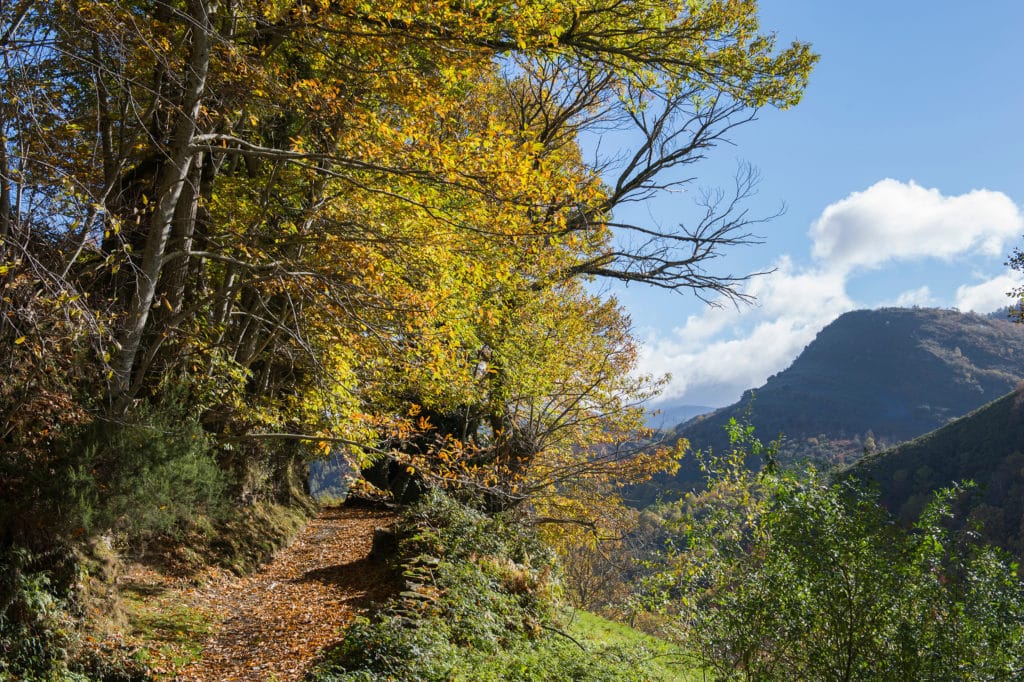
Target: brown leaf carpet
x,y
275,621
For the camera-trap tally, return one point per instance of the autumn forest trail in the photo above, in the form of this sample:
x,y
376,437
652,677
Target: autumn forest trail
x,y
272,624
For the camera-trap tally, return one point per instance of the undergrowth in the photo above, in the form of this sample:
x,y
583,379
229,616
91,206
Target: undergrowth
x,y
479,604
149,488
153,474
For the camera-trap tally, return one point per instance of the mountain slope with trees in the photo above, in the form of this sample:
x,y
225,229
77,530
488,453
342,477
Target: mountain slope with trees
x,y
985,447
870,379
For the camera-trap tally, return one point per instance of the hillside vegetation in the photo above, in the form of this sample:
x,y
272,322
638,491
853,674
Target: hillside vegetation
x,y
870,379
478,603
985,447
778,573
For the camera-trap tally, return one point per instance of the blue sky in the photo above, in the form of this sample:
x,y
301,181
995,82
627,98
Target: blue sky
x,y
903,176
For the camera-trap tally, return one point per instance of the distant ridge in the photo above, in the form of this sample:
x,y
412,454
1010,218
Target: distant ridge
x,y
986,446
666,416
869,380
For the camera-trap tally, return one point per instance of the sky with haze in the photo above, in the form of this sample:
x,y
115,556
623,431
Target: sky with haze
x,y
902,175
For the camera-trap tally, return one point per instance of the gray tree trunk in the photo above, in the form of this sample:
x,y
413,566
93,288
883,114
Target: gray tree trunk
x,y
180,157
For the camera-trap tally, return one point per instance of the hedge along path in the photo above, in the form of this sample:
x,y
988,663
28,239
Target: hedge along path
x,y
273,623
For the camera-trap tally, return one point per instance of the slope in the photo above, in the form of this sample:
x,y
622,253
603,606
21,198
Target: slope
x,y
986,446
870,379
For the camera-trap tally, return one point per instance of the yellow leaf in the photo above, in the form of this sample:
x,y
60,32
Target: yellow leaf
x,y
20,340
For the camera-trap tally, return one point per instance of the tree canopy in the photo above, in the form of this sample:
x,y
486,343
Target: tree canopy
x,y
351,223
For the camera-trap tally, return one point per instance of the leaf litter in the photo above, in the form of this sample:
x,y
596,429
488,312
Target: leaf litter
x,y
272,624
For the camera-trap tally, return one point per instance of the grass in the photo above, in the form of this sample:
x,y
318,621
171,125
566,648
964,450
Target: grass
x,y
665,661
170,635
253,537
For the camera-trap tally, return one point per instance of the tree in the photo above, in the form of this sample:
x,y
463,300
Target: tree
x,y
1016,262
319,217
786,577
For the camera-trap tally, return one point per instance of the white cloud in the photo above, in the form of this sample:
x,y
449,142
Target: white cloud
x,y
892,220
790,290
699,328
922,296
793,305
989,295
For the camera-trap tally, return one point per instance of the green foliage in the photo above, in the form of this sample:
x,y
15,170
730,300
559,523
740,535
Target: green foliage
x,y
986,446
1016,261
252,535
154,473
478,605
36,628
785,577
473,583
42,601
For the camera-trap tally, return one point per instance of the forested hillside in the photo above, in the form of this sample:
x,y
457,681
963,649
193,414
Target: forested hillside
x,y
986,447
870,379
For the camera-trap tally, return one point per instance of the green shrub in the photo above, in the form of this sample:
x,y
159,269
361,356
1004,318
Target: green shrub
x,y
153,473
37,631
786,577
478,604
41,636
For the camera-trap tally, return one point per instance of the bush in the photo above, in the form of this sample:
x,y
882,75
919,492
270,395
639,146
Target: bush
x,y
152,474
785,577
41,635
477,605
37,631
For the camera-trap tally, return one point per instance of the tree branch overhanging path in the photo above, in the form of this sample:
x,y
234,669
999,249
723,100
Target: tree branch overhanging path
x,y
680,80
318,223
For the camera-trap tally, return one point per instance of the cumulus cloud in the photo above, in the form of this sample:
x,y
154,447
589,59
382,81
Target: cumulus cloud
x,y
893,220
989,295
718,373
700,328
717,354
793,305
922,296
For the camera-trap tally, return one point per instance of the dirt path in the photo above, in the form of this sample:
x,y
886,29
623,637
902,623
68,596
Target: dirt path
x,y
275,621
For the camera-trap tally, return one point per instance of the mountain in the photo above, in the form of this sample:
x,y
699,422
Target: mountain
x,y
986,446
869,380
666,415
328,478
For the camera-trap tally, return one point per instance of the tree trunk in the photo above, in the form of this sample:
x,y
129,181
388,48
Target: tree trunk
x,y
184,228
180,157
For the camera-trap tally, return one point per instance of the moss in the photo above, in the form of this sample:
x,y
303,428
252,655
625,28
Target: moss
x,y
172,635
256,534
